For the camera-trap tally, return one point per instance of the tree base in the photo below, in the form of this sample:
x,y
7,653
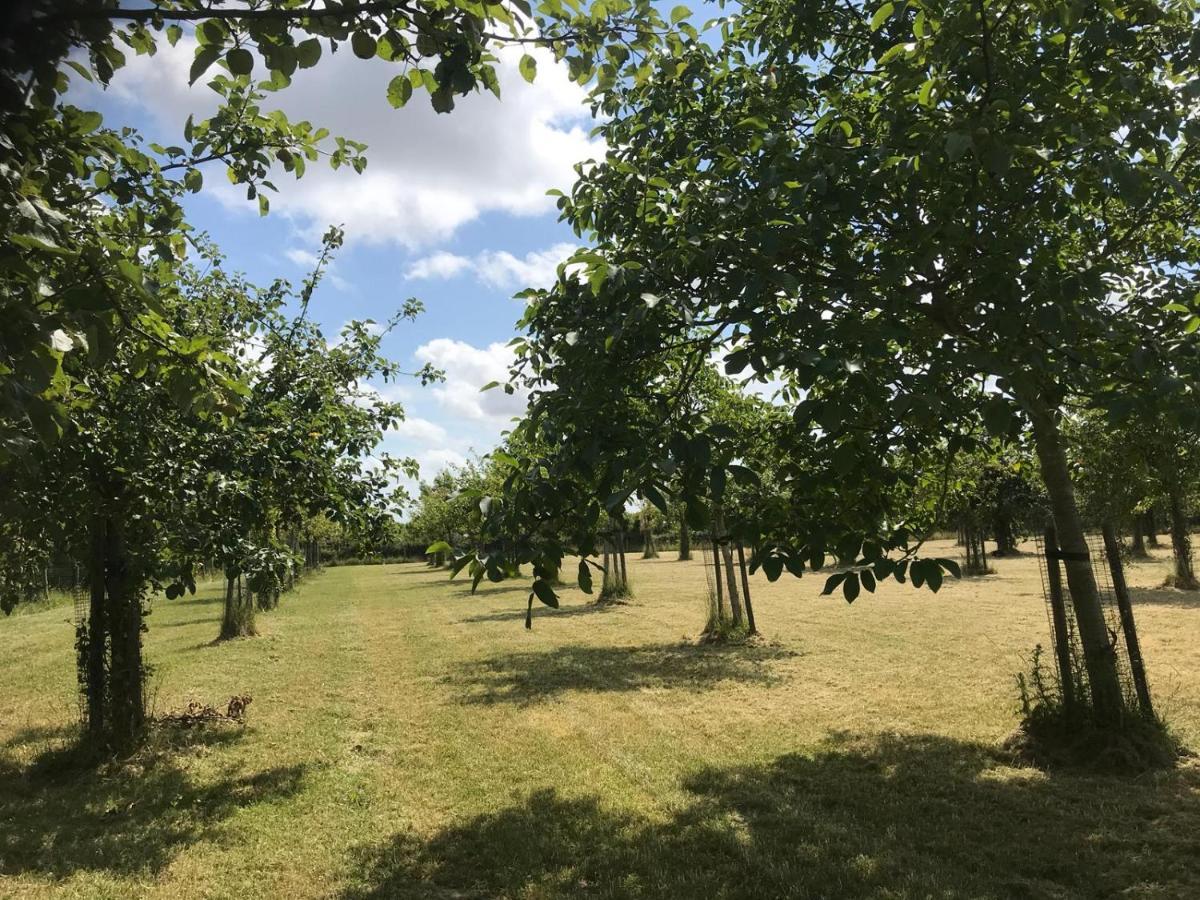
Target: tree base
x,y
726,633
977,571
229,634
1048,738
614,597
1182,583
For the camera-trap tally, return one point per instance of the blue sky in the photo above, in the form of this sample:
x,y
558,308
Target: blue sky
x,y
452,210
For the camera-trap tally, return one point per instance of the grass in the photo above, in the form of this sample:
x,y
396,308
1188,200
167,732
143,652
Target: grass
x,y
409,740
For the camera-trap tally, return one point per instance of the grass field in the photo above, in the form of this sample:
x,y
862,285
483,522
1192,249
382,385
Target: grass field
x,y
409,740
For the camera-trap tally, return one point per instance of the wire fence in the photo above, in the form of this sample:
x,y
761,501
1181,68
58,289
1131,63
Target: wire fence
x,y
1055,590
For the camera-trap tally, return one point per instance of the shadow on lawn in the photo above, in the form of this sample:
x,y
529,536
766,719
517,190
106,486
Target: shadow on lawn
x,y
532,676
1166,597
517,614
886,817
59,815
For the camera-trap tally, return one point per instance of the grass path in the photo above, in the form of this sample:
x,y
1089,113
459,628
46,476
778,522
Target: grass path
x,y
409,740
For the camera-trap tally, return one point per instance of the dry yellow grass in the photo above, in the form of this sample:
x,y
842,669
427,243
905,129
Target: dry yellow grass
x,y
407,739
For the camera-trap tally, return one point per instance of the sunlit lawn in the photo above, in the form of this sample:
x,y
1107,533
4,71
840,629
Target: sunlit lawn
x,y
407,739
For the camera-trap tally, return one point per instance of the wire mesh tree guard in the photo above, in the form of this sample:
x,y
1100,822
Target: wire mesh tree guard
x,y
727,578
1104,554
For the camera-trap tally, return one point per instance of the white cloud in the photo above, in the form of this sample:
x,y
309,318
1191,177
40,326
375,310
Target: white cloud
x,y
422,431
438,265
468,369
434,461
537,269
304,258
428,174
497,268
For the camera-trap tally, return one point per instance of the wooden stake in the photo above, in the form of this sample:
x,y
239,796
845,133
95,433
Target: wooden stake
x,y
1112,549
1058,610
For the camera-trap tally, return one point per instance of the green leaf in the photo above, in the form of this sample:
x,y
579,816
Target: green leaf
x,y
831,583
461,563
399,91
850,587
933,575
882,15
895,52
363,45
744,475
442,100
925,95
916,572
997,416
205,57
773,567
616,500
438,547
528,68
308,53
679,13
956,145
88,121
240,61
950,566
585,577
545,593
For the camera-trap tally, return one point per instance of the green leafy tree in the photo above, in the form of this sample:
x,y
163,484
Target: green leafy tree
x,y
144,483
890,203
93,213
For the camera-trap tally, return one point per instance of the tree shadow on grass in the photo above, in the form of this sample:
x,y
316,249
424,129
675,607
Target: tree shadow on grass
x,y
411,569
201,599
896,817
543,612
532,676
464,591
64,814
1165,597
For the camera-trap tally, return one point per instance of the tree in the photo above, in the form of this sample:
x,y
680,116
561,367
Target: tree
x,y
92,213
648,518
1126,467
143,484
888,204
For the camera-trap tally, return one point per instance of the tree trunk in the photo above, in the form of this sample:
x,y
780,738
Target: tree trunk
x,y
717,580
1137,667
1099,656
126,676
731,583
1139,540
93,662
741,555
649,551
239,614
685,542
1006,539
1181,544
731,578
1152,529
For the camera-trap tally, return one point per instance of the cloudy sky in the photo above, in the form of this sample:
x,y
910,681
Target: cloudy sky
x,y
452,209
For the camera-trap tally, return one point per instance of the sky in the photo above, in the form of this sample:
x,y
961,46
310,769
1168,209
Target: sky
x,y
452,209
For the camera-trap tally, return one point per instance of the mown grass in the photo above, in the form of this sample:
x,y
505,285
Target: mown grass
x,y
409,740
